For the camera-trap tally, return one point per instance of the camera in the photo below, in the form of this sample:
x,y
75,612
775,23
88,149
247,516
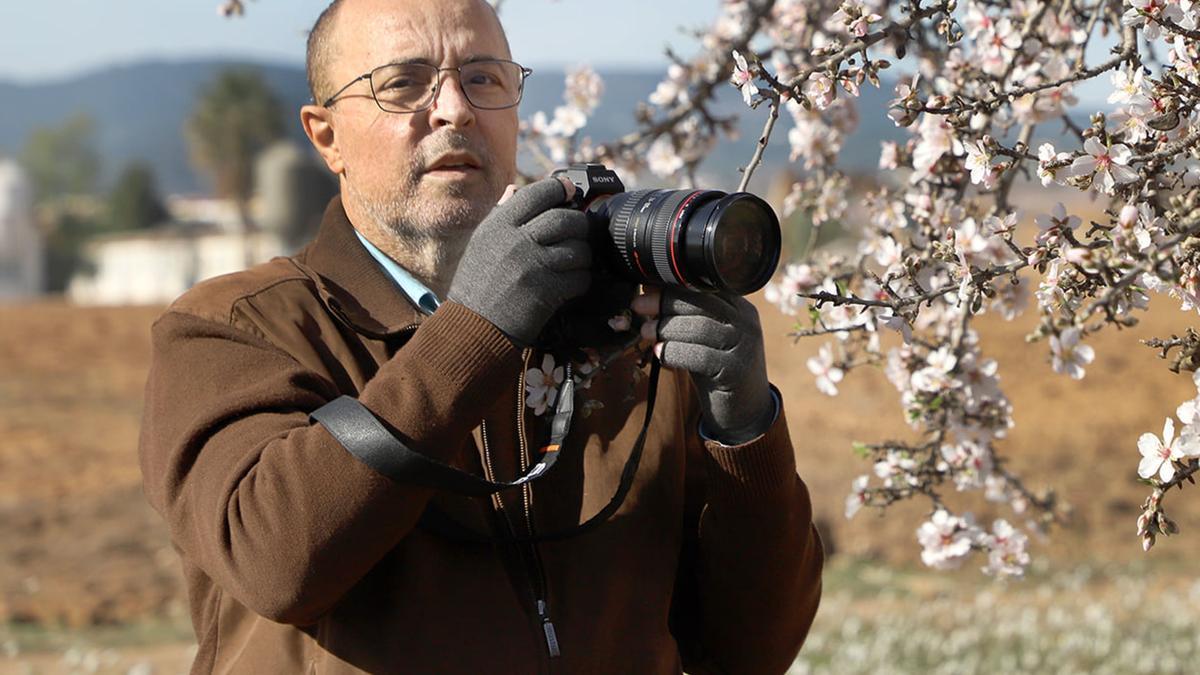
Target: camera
x,y
705,240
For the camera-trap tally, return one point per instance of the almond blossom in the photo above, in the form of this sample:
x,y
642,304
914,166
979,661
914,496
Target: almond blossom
x,y
662,158
946,540
1110,163
1046,156
979,163
1143,13
1069,356
1160,454
828,374
541,385
1006,550
857,497
743,78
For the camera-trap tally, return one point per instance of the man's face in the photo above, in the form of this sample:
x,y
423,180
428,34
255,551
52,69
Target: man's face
x,y
393,163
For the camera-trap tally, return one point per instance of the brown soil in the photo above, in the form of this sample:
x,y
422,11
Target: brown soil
x,y
81,547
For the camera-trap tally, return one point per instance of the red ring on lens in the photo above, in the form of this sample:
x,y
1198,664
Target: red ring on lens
x,y
673,241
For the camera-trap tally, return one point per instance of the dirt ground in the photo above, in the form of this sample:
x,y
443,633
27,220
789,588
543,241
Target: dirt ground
x,y
80,547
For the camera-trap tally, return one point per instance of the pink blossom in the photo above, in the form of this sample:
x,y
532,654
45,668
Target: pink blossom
x,y
1110,162
743,78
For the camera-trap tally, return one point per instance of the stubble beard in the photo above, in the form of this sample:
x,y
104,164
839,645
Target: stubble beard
x,y
425,225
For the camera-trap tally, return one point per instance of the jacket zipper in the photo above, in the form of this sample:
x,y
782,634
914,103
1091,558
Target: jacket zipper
x,y
527,550
538,571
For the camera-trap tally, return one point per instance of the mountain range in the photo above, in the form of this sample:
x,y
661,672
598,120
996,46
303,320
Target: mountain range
x,y
139,111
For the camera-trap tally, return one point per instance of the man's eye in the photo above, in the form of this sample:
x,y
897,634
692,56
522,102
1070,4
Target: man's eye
x,y
483,79
401,83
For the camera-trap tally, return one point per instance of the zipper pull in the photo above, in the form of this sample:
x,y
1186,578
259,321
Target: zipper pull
x,y
548,628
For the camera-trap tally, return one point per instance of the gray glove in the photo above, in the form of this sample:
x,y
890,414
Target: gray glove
x,y
717,337
524,261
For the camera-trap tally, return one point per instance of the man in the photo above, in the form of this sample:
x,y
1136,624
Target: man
x,y
310,548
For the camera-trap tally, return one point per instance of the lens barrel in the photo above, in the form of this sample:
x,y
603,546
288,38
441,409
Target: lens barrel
x,y
702,239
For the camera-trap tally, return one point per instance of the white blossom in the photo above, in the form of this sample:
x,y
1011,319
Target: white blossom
x,y
743,78
1069,355
828,374
541,385
946,540
1160,454
1109,164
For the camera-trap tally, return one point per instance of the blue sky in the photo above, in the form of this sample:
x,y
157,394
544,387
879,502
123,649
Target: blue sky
x,y
50,39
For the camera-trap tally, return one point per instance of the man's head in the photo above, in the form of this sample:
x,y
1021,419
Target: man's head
x,y
391,166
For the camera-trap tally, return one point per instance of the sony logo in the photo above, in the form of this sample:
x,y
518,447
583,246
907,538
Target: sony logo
x,y
604,179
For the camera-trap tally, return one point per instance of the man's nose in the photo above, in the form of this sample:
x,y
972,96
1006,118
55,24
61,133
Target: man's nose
x,y
450,105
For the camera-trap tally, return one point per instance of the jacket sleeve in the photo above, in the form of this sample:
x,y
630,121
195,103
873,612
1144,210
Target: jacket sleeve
x,y
749,578
271,507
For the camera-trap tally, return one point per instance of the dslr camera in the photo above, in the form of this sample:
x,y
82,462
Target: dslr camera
x,y
705,240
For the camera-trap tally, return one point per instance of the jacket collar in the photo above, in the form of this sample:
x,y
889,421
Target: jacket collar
x,y
351,283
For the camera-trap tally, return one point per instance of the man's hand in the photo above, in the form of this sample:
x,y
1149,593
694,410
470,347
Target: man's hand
x,y
525,260
716,337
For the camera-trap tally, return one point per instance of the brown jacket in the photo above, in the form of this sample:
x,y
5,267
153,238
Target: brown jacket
x,y
299,558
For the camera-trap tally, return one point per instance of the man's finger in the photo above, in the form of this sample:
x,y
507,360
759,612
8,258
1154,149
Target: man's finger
x,y
697,329
573,254
508,193
681,301
546,231
647,304
534,199
697,359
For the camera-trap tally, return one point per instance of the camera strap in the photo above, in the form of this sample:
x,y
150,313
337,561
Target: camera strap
x,y
436,521
364,436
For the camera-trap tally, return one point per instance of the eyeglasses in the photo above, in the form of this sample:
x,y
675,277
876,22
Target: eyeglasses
x,y
412,87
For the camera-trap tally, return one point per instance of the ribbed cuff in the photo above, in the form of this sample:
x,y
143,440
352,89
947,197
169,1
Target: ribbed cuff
x,y
463,346
755,474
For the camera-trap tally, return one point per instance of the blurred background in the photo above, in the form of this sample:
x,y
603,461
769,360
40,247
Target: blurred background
x,y
145,146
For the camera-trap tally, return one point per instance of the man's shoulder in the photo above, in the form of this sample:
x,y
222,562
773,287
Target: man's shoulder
x,y
218,298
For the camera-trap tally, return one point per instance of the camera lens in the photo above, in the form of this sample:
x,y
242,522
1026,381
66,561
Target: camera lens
x,y
702,239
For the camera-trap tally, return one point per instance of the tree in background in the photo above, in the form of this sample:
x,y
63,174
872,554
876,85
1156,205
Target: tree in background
x,y
134,203
235,118
63,164
943,239
62,161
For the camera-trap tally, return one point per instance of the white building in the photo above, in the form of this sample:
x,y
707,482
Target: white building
x,y
22,257
155,267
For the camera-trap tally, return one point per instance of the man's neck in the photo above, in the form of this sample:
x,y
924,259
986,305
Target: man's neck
x,y
432,261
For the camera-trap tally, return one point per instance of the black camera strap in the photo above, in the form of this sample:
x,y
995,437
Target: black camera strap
x,y
438,522
364,436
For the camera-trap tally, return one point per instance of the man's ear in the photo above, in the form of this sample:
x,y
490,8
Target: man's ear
x,y
318,126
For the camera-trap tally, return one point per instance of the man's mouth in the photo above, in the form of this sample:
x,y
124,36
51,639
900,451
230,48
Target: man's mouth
x,y
454,163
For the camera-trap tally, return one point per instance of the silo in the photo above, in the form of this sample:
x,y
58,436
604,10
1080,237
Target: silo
x,y
22,258
293,191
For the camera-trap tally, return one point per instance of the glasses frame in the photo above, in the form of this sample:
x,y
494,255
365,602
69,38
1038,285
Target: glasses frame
x,y
437,85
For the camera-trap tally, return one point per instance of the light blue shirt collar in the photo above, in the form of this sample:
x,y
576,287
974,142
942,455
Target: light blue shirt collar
x,y
416,291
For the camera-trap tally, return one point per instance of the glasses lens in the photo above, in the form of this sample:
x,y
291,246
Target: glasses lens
x,y
403,87
492,84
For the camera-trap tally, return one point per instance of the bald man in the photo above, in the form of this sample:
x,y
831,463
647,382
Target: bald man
x,y
361,476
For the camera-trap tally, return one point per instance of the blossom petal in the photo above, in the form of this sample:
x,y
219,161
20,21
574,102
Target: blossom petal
x,y
1148,466
1149,445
